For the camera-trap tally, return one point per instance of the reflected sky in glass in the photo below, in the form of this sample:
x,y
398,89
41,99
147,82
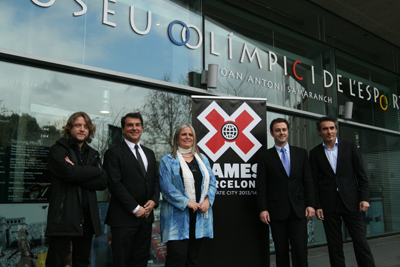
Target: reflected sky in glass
x,y
55,33
51,97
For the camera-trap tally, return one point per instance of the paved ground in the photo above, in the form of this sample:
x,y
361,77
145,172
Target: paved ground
x,y
386,251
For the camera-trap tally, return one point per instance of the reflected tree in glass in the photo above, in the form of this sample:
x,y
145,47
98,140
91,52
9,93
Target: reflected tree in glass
x,y
163,113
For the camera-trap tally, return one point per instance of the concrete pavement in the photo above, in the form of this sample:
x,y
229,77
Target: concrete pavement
x,y
386,251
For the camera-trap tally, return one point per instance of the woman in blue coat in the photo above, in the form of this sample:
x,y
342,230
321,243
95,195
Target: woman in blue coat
x,y
188,190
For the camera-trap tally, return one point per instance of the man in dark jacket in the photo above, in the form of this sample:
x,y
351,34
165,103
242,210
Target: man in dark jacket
x,y
285,195
135,192
342,193
76,173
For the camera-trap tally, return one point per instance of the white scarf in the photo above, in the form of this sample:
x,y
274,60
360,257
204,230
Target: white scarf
x,y
188,178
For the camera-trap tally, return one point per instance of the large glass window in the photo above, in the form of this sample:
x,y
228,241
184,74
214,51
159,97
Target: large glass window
x,y
100,34
373,92
35,105
256,59
259,59
379,152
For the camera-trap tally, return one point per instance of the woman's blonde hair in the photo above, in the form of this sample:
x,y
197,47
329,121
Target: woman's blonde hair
x,y
195,148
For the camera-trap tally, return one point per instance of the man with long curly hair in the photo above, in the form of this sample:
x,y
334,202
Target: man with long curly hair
x,y
76,173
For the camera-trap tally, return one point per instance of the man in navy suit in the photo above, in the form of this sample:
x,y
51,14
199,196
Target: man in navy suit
x,y
285,195
342,192
135,191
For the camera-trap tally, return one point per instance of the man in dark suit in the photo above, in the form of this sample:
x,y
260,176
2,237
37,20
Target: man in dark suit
x,y
342,192
285,195
135,191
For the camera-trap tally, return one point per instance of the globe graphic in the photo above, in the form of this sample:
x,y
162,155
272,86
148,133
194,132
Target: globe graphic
x,y
229,131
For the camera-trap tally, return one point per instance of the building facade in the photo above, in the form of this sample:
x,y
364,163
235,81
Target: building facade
x,y
111,57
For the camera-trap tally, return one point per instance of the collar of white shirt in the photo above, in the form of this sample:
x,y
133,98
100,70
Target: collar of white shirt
x,y
132,145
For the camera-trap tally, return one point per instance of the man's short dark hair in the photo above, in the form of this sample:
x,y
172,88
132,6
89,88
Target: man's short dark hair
x,y
278,120
134,115
327,118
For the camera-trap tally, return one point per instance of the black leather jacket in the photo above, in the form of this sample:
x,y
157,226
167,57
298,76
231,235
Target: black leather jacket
x,y
65,216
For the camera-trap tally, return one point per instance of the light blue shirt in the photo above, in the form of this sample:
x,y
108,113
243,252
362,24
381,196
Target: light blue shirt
x,y
278,149
332,155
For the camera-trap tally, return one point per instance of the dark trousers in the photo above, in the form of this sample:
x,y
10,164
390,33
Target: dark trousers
x,y
184,253
59,247
291,231
333,230
131,245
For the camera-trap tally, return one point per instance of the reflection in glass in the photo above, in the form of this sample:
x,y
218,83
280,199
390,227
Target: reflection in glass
x,y
380,153
35,105
373,91
259,59
106,41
